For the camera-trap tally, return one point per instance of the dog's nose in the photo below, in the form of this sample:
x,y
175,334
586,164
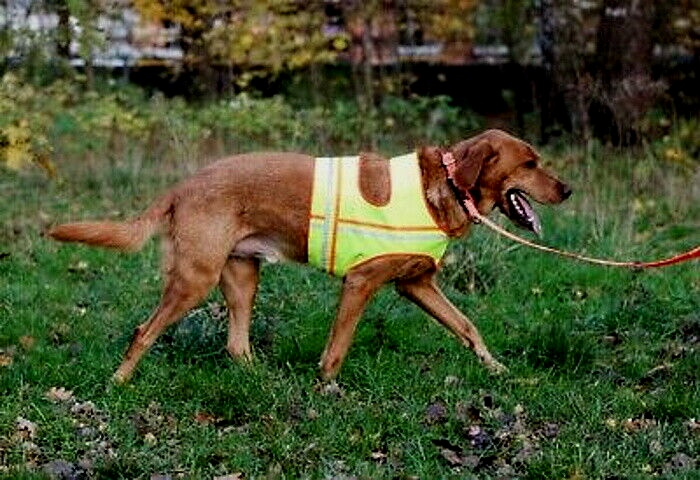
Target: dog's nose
x,y
566,191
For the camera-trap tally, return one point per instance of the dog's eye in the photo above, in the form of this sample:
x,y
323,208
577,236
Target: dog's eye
x,y
531,164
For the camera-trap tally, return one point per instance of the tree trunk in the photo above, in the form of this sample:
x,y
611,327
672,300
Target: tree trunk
x,y
624,48
546,93
368,77
63,31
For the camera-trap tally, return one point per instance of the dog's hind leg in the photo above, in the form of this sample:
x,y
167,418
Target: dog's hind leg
x,y
190,275
239,284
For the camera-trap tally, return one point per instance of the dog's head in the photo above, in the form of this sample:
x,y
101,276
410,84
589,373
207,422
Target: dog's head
x,y
501,171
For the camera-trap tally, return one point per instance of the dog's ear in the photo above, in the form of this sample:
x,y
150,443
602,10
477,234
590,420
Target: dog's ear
x,y
471,157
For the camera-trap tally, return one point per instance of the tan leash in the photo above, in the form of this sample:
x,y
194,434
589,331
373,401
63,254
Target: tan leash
x,y
468,203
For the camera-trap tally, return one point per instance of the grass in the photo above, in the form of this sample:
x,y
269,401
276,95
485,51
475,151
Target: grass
x,y
603,379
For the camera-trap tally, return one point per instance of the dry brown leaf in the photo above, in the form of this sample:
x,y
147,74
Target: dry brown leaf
x,y
59,394
204,418
25,429
378,456
27,342
231,476
436,413
150,439
632,425
5,359
85,409
452,457
450,452
161,476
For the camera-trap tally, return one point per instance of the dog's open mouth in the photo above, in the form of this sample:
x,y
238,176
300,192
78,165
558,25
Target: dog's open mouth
x,y
521,212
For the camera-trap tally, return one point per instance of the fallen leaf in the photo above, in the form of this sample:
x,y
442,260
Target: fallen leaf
x,y
478,437
59,394
5,359
85,409
61,470
204,418
150,439
379,456
436,413
31,452
161,476
231,476
693,425
518,410
27,342
550,430
528,450
451,453
451,381
25,429
680,461
59,333
452,457
632,425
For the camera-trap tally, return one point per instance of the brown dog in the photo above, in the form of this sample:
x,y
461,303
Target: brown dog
x,y
218,224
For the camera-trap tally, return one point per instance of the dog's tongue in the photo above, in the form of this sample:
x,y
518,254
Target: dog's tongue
x,y
527,217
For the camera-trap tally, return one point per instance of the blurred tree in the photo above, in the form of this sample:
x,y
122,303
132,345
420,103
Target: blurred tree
x,y
377,26
512,23
90,37
564,45
247,38
624,54
87,34
263,39
64,35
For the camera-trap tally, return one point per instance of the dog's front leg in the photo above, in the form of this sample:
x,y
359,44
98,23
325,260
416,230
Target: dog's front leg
x,y
356,292
426,294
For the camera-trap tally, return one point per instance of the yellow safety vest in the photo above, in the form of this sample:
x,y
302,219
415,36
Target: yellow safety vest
x,y
345,230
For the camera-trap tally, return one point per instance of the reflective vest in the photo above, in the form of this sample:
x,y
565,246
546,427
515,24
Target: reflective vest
x,y
345,230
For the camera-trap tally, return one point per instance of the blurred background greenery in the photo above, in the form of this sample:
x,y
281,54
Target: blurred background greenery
x,y
197,78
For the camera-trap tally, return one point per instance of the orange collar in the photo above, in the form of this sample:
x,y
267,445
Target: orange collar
x,y
463,196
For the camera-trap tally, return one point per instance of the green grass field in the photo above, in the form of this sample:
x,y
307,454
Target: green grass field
x,y
604,364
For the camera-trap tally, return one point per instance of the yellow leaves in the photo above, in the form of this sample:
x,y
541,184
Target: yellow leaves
x,y
20,146
246,40
340,43
16,150
674,154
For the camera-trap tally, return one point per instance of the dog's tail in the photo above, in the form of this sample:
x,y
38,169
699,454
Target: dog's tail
x,y
129,235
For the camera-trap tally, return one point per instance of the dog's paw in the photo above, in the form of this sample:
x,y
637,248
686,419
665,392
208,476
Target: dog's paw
x,y
120,378
240,355
495,367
